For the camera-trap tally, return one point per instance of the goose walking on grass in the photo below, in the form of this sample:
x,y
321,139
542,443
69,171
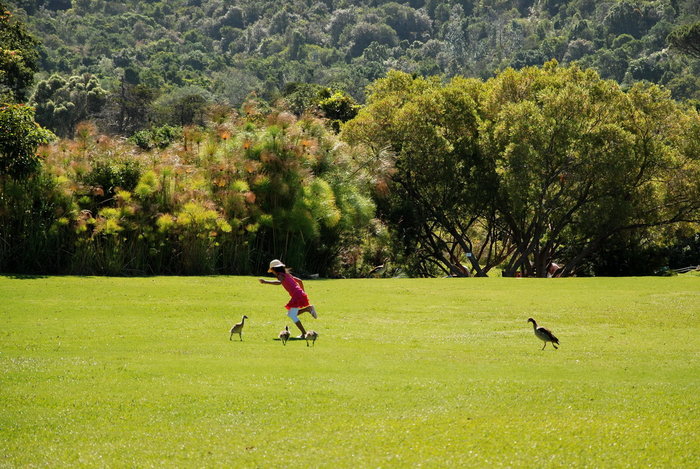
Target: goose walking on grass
x,y
544,334
238,328
311,336
284,335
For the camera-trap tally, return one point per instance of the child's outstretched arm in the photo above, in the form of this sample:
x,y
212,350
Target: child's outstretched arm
x,y
270,282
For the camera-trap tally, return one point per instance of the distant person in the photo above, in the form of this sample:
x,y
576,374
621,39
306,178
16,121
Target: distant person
x,y
299,303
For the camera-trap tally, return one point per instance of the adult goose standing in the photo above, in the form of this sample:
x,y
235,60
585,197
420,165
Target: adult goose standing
x,y
544,334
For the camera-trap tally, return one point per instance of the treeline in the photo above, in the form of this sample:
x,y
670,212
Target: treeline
x,y
541,165
158,62
429,177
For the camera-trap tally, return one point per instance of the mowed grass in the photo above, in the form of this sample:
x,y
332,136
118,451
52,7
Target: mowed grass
x,y
139,372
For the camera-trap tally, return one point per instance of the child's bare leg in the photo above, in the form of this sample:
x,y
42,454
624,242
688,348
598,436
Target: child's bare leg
x,y
293,315
301,327
309,309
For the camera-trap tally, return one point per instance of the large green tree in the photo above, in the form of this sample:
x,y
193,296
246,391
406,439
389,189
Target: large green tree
x,y
423,137
579,160
19,134
532,166
25,195
19,138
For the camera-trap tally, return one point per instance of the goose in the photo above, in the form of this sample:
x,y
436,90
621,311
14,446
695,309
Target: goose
x,y
238,328
544,334
284,335
377,271
311,336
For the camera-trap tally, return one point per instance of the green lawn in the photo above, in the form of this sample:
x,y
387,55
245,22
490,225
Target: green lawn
x,y
140,372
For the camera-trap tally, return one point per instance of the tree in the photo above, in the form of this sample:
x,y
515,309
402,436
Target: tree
x,y
128,108
19,138
339,21
303,98
579,160
233,18
686,39
531,166
62,103
631,18
296,44
364,34
422,137
19,134
407,22
339,107
18,57
182,106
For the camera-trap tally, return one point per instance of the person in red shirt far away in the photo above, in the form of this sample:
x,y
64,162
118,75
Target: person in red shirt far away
x,y
299,303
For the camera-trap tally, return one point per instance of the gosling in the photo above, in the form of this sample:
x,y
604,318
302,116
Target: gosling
x,y
544,334
238,328
284,335
311,336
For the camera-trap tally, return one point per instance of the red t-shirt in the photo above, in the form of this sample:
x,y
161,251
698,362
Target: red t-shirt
x,y
299,297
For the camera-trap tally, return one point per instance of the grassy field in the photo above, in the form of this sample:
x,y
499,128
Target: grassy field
x,y
434,372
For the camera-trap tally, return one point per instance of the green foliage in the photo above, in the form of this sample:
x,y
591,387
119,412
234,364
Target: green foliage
x,y
183,106
19,57
686,39
129,108
143,375
634,18
110,176
532,165
317,58
339,108
231,50
62,103
19,138
336,106
157,137
34,218
304,97
419,137
222,198
142,139
147,186
685,251
364,34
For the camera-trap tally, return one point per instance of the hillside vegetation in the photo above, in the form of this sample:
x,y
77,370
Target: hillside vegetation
x,y
230,48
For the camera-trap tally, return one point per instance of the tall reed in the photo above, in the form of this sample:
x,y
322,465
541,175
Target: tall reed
x,y
220,199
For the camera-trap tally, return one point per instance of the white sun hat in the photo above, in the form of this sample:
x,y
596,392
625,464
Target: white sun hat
x,y
275,263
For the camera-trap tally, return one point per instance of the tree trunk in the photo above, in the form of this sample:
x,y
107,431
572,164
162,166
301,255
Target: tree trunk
x,y
475,264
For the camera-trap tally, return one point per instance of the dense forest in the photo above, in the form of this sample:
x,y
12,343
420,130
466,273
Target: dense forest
x,y
196,136
161,53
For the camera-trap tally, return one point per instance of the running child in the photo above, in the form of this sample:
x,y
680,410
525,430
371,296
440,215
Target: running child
x,y
299,303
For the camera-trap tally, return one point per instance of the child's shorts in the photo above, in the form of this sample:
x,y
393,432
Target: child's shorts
x,y
293,314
